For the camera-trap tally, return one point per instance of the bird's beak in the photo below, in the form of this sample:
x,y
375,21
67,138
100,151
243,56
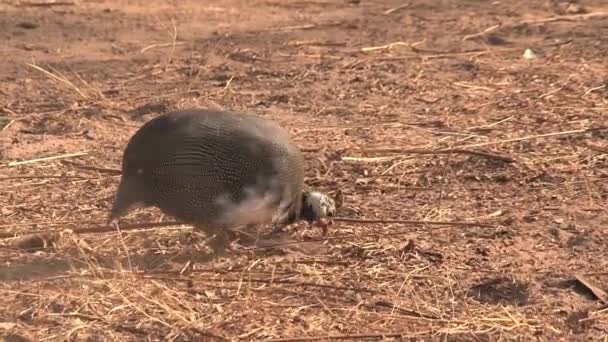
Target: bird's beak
x,y
323,223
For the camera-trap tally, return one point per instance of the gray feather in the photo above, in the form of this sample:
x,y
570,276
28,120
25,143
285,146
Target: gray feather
x,y
212,168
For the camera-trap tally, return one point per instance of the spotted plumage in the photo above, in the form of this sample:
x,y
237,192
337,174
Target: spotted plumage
x,y
217,170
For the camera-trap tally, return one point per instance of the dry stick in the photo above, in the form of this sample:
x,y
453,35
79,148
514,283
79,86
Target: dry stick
x,y
286,281
47,4
465,148
124,245
475,35
572,17
472,86
342,237
383,47
296,27
95,229
46,223
174,39
597,292
489,125
466,53
226,87
578,131
401,310
152,46
9,124
93,168
445,170
59,79
594,89
555,91
374,159
61,156
446,55
45,177
8,110
488,155
596,148
344,337
100,228
393,10
432,223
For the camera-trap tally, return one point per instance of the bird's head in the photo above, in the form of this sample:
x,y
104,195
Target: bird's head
x,y
317,207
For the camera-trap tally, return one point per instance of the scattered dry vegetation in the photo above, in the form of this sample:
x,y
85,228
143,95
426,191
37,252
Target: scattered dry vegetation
x,y
474,179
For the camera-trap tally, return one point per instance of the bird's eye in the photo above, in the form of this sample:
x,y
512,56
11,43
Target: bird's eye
x,y
331,212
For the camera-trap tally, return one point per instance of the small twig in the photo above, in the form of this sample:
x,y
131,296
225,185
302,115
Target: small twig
x,y
558,89
313,43
474,53
432,223
62,156
597,292
309,55
59,79
173,36
47,4
401,310
297,27
472,86
106,228
490,125
92,168
572,17
594,89
45,177
305,26
345,337
554,134
9,124
596,148
124,245
443,176
226,87
45,223
386,125
160,45
99,228
373,159
285,281
475,35
383,47
9,111
465,148
488,155
395,9
587,187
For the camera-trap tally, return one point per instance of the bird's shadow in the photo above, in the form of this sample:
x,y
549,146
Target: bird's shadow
x,y
41,267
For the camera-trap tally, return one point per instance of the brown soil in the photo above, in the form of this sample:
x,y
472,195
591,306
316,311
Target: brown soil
x,y
82,77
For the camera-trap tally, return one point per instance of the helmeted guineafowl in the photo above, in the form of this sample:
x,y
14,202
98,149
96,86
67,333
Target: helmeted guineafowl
x,y
217,170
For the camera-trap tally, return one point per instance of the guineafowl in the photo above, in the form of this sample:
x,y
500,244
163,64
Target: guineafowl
x,y
217,171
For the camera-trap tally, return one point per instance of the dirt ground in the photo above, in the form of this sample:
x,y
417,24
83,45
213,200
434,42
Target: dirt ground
x,y
417,111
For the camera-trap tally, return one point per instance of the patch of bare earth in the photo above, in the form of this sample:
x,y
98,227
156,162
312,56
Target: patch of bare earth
x,y
418,111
